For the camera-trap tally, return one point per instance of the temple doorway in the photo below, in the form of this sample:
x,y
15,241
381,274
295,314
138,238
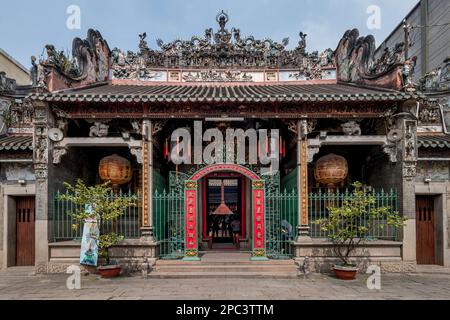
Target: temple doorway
x,y
224,211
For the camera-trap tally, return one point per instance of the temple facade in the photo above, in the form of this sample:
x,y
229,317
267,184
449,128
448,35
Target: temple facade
x,y
313,124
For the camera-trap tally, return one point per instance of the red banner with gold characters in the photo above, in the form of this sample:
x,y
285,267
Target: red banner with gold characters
x,y
259,250
191,219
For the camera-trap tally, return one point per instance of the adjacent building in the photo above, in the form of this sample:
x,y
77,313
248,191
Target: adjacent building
x,y
16,165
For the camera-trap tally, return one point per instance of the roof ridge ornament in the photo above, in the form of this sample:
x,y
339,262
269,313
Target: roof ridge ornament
x,y
223,49
222,19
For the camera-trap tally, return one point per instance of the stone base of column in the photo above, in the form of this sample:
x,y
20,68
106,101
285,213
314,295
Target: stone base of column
x,y
259,259
147,234
196,258
259,255
148,241
191,255
303,235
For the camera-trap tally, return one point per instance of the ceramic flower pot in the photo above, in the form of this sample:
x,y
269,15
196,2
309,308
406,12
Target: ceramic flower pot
x,y
345,272
109,271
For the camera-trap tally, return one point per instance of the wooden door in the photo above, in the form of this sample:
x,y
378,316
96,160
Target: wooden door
x,y
25,231
425,222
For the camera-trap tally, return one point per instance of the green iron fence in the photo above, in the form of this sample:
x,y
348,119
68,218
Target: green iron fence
x,y
169,220
62,222
281,222
320,201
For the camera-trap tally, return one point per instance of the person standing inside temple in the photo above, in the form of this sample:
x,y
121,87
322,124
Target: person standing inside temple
x,y
224,226
216,227
236,228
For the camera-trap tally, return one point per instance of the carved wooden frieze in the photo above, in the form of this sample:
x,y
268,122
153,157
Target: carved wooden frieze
x,y
99,129
351,128
164,111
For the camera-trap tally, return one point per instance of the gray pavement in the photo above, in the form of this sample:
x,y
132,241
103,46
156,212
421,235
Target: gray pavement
x,y
22,285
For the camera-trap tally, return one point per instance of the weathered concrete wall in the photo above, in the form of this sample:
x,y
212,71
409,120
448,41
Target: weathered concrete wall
x,y
430,45
386,254
75,164
381,173
13,69
129,254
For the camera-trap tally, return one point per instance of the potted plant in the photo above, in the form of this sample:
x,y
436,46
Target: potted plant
x,y
349,225
104,206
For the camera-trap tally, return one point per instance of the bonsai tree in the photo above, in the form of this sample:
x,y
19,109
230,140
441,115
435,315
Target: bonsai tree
x,y
104,207
348,225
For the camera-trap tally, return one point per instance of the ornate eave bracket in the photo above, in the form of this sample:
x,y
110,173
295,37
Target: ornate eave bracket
x,y
58,153
137,152
315,144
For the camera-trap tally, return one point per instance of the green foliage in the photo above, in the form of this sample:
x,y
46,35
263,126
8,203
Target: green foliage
x,y
349,225
105,242
105,207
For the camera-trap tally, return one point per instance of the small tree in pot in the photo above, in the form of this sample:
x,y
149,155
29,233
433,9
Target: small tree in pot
x,y
104,207
349,225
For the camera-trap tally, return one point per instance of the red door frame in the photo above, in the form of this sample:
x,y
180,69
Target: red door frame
x,y
258,210
224,175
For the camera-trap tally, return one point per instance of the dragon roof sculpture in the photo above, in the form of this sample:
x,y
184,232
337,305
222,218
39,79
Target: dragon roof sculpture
x,y
224,56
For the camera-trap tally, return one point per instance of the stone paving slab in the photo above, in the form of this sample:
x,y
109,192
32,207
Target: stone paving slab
x,y
323,287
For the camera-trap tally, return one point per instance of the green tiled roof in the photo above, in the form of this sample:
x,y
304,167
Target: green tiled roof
x,y
232,92
16,143
434,142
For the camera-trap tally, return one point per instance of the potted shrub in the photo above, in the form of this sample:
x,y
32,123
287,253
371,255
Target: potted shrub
x,y
104,206
349,225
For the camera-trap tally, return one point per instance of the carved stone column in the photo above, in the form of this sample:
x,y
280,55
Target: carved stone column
x,y
302,181
147,181
41,147
405,124
408,197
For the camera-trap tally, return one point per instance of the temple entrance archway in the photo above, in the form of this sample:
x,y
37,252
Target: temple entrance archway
x,y
224,199
192,209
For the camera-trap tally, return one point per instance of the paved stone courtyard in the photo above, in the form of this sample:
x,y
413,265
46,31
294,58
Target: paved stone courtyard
x,y
24,285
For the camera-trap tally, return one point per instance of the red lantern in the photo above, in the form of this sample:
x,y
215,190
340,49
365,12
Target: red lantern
x,y
331,170
116,170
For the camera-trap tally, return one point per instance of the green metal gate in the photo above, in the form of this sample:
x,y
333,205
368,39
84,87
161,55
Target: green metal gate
x,y
281,218
169,217
281,223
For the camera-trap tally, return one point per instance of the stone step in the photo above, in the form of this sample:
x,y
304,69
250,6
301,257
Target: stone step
x,y
18,271
432,269
223,269
226,275
223,262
